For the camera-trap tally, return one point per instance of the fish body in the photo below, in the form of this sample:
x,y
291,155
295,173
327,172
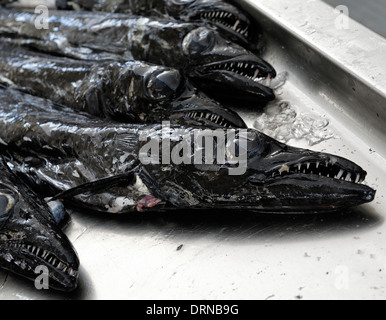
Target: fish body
x,y
233,24
217,65
58,149
30,238
133,91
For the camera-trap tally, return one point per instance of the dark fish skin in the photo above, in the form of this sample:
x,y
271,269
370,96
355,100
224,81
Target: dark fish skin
x,y
200,52
57,149
233,24
29,237
134,92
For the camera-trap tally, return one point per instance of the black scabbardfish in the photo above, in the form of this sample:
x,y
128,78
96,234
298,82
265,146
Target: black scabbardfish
x,y
224,70
233,23
30,238
133,91
57,149
230,20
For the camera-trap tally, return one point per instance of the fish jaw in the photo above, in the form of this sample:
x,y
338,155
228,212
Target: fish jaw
x,y
30,238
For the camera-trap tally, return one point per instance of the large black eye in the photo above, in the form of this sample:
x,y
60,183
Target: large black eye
x,y
163,85
7,202
198,41
3,203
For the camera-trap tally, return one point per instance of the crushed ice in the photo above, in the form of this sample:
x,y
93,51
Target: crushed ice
x,y
282,122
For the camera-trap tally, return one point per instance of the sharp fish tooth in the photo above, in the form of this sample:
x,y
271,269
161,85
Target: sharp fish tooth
x,y
358,177
236,25
348,177
340,174
256,74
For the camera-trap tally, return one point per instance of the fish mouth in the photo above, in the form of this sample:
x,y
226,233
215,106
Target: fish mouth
x,y
210,119
63,275
328,169
315,185
233,22
217,117
226,16
246,70
238,81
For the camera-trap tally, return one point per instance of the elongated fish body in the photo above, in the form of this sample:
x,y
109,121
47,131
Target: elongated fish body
x,y
60,149
134,91
231,21
30,238
57,149
200,52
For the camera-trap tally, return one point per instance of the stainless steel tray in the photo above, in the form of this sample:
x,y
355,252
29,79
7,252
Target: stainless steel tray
x,y
337,75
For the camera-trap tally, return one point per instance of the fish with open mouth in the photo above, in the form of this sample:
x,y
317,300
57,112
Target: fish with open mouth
x,y
57,149
30,238
222,69
233,24
134,92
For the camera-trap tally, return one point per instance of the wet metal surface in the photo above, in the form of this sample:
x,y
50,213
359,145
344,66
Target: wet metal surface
x,y
332,74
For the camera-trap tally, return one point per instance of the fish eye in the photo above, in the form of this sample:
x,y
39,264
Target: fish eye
x,y
198,41
163,85
7,202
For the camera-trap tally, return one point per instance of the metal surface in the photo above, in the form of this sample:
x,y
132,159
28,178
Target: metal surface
x,y
336,74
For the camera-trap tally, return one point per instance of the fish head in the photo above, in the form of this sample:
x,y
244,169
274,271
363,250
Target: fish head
x,y
230,21
299,180
258,173
163,93
30,240
226,70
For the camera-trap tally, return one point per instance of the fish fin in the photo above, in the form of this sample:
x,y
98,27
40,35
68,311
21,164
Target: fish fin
x,y
97,185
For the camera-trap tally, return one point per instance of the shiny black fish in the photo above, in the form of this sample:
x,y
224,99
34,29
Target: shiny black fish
x,y
30,238
112,169
134,92
224,70
233,24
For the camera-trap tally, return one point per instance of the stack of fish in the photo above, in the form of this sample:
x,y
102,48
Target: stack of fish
x,y
84,89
